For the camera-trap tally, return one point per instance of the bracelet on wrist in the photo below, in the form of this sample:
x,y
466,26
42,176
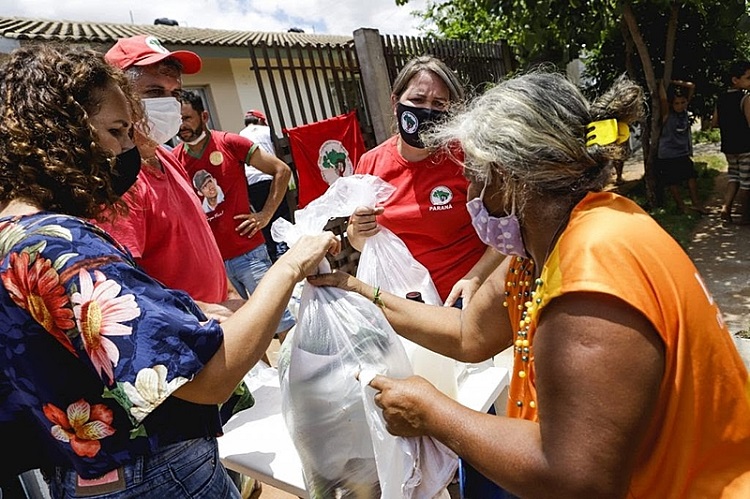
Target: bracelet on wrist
x,y
376,299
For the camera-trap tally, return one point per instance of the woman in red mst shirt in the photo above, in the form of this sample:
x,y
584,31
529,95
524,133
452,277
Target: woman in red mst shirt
x,y
428,209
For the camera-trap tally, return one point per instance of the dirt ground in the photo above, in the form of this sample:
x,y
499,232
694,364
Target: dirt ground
x,y
720,251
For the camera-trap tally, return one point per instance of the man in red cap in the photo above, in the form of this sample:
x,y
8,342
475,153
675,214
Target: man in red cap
x,y
258,183
165,229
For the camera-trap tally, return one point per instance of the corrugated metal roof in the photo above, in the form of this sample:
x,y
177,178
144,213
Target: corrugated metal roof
x,y
74,31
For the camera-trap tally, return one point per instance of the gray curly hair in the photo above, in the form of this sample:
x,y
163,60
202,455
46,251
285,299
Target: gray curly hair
x,y
529,134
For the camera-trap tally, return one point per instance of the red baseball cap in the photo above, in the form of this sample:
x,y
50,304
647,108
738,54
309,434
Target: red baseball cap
x,y
144,50
256,113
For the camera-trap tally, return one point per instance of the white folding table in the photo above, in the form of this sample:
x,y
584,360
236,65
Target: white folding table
x,y
256,442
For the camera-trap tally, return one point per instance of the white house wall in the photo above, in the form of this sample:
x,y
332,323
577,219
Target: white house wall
x,y
217,78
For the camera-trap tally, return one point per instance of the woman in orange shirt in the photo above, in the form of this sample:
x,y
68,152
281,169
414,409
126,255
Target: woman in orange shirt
x,y
626,382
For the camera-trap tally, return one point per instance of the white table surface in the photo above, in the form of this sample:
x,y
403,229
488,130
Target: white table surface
x,y
256,442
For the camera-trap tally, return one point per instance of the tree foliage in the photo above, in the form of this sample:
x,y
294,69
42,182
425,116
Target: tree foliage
x,y
651,40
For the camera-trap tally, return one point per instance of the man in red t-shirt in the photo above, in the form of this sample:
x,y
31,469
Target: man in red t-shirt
x,y
150,231
216,163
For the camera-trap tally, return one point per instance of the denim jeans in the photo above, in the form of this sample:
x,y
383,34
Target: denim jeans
x,y
246,271
258,193
189,469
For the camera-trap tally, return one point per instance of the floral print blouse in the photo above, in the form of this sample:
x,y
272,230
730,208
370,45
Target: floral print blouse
x,y
91,349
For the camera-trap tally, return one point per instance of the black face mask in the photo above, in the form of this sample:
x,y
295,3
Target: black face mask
x,y
414,120
127,166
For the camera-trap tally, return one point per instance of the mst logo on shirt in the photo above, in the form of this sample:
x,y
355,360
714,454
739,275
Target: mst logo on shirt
x,y
440,198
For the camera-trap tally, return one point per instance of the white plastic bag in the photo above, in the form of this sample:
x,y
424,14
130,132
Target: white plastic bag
x,y
386,262
337,430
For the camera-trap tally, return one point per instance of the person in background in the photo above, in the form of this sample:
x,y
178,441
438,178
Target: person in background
x,y
238,233
111,382
428,210
259,183
626,382
674,163
162,243
732,116
257,130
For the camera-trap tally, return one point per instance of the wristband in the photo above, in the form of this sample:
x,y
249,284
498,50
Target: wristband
x,y
376,299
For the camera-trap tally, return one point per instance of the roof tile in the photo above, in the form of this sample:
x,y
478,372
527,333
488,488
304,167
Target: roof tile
x,y
39,29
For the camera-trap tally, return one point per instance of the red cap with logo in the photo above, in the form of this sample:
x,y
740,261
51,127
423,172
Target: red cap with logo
x,y
256,113
144,50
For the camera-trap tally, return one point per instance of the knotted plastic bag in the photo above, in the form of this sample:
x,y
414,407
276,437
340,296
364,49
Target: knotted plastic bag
x,y
337,430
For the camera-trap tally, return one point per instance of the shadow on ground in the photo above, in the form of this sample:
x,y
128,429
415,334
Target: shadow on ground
x,y
721,252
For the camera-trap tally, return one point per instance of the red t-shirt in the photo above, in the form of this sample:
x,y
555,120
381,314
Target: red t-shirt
x,y
427,211
167,233
224,157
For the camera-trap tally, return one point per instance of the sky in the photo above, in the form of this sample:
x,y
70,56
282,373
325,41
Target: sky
x,y
334,17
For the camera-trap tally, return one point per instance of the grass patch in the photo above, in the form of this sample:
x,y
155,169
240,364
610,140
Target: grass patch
x,y
682,225
712,135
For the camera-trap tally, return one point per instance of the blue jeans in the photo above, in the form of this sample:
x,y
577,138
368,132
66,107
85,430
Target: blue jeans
x,y
246,271
258,193
189,469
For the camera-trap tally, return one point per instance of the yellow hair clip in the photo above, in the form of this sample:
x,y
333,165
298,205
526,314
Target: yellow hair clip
x,y
606,132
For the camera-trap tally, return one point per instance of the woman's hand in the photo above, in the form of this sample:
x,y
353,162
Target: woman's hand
x,y
464,289
337,279
305,255
406,404
363,221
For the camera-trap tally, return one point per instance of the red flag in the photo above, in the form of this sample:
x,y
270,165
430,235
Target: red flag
x,y
324,151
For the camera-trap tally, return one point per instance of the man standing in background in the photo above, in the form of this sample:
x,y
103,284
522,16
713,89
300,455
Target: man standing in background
x,y
223,156
259,184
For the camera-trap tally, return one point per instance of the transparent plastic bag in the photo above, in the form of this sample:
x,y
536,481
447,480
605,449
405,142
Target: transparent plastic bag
x,y
338,431
386,262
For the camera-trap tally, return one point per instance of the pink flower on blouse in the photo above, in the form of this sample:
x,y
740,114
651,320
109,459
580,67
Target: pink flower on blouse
x,y
99,313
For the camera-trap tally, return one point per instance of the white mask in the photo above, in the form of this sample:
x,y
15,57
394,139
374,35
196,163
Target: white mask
x,y
164,116
200,137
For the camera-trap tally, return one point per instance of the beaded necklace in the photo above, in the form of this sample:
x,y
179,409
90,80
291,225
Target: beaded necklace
x,y
519,295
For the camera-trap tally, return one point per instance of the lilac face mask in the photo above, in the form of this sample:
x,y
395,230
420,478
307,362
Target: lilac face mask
x,y
501,233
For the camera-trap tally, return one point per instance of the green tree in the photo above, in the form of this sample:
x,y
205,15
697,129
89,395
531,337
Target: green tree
x,y
637,36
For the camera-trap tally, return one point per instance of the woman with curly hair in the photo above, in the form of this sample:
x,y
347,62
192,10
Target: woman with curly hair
x,y
109,382
625,382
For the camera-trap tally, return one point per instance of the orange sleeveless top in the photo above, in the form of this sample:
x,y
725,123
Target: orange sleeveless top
x,y
701,447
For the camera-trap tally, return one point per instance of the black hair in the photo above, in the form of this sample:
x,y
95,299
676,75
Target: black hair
x,y
251,120
193,99
737,69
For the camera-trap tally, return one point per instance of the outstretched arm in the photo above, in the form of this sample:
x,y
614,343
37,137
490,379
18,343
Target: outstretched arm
x,y
599,365
248,332
473,334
